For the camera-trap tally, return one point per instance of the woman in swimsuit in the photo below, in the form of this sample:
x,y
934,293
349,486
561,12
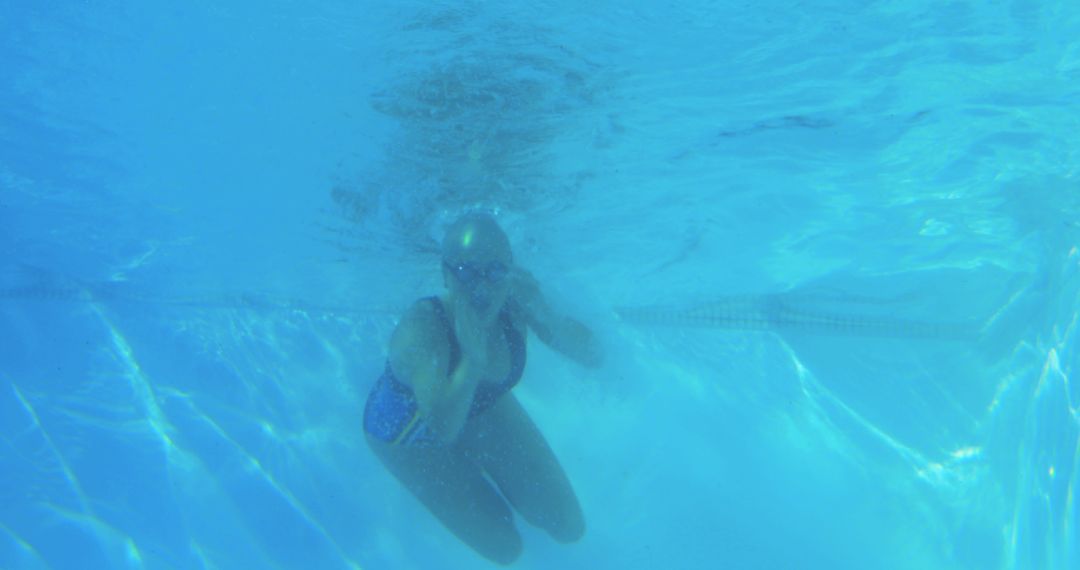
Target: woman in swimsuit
x,y
441,416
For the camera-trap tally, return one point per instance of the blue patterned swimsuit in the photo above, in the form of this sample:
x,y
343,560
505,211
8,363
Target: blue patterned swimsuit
x,y
392,413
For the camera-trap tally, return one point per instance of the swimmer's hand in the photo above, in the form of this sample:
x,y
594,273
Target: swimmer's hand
x,y
561,333
450,404
524,288
470,330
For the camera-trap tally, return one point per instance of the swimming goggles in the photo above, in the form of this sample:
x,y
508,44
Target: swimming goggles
x,y
469,274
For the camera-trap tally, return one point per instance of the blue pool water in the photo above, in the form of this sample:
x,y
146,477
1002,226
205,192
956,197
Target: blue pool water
x,y
832,250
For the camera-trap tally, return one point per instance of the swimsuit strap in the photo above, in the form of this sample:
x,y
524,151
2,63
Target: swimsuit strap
x,y
514,340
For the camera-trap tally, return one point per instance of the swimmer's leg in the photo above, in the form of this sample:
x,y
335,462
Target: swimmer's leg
x,y
454,489
517,457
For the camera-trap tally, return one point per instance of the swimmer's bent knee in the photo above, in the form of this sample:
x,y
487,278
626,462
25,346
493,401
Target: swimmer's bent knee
x,y
570,529
507,551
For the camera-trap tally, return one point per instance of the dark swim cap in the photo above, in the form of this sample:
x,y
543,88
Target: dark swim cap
x,y
475,235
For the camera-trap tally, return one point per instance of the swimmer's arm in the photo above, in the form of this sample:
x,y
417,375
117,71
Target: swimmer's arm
x,y
562,333
419,357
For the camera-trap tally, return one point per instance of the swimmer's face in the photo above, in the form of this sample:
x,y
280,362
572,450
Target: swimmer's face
x,y
476,268
482,281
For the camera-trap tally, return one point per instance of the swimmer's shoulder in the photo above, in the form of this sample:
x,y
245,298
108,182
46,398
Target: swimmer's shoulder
x,y
420,336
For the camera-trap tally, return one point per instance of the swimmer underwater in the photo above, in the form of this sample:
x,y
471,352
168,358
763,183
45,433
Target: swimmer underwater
x,y
441,416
